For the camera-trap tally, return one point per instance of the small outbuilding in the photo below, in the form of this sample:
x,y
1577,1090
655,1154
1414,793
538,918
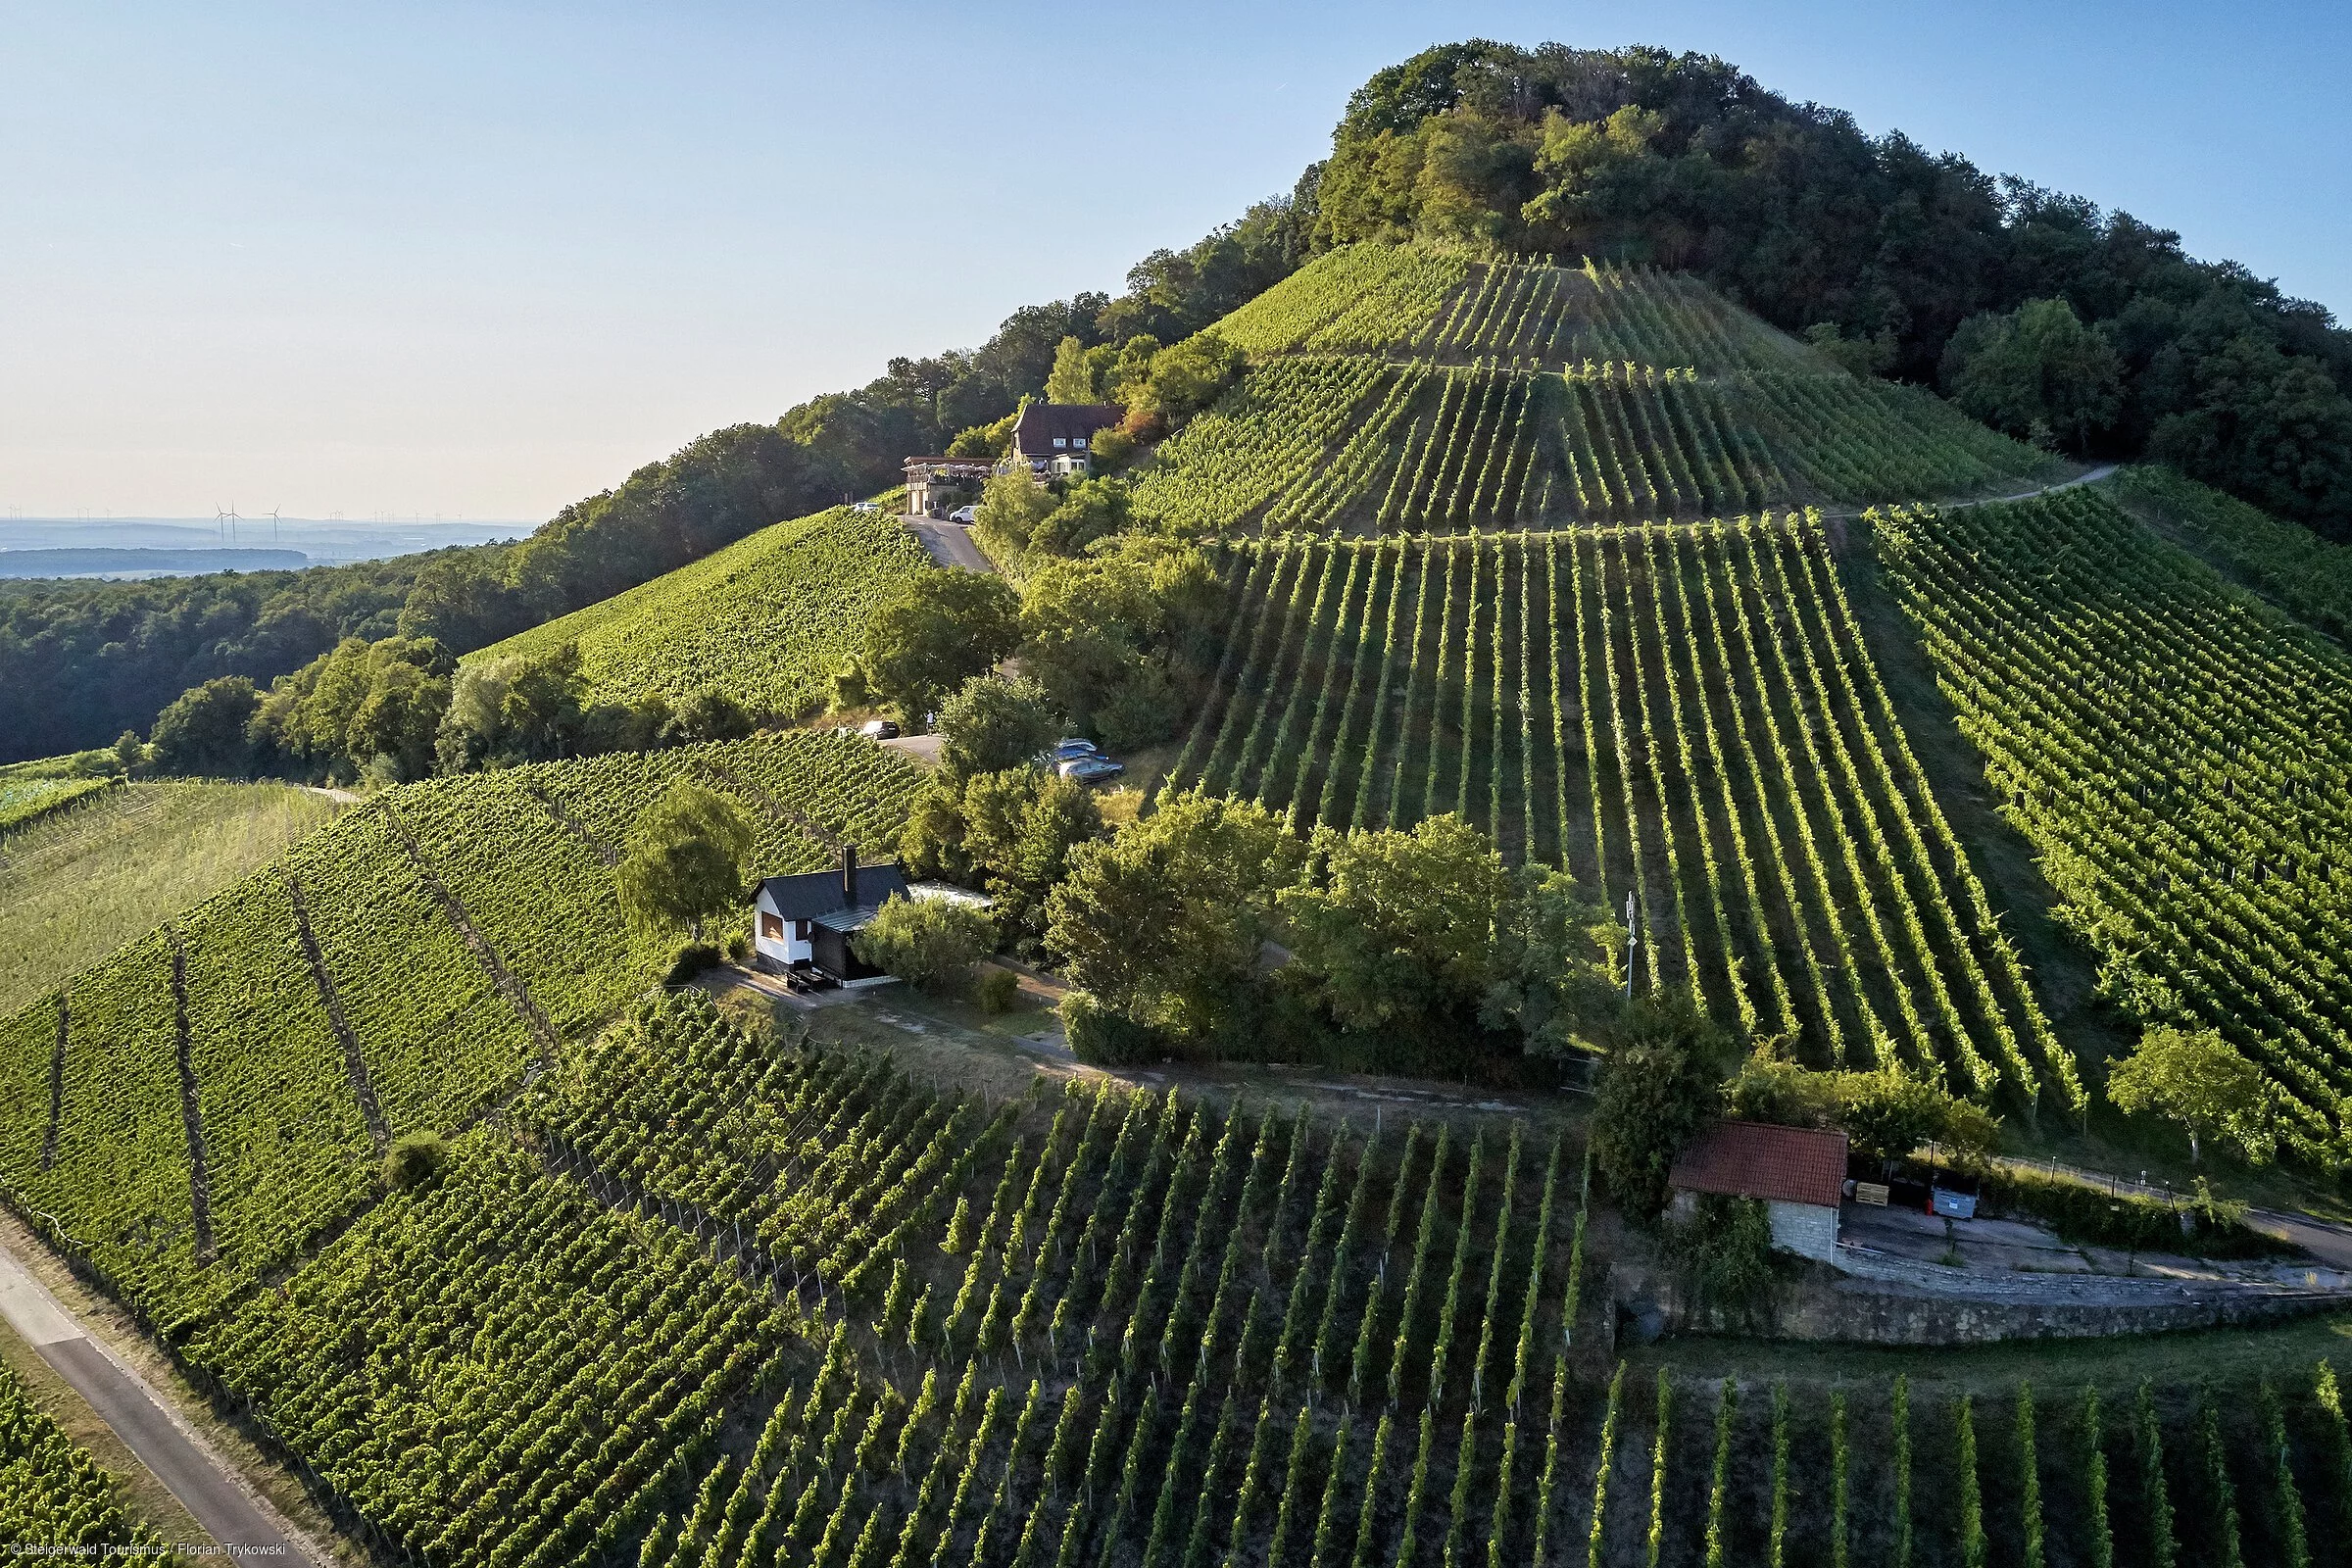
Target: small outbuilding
x,y
809,918
1799,1173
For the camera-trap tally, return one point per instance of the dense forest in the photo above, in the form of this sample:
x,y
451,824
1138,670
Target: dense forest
x,y
2038,313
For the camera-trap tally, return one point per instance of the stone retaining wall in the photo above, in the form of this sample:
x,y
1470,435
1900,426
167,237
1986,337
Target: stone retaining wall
x,y
1828,1305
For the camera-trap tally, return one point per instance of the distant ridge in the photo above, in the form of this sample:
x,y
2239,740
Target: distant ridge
x,y
143,562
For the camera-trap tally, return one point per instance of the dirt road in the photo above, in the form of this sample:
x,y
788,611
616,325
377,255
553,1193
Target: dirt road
x,y
199,1478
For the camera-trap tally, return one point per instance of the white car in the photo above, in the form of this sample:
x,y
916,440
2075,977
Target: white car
x,y
964,514
867,505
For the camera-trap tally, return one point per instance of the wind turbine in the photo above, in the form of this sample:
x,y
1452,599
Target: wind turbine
x,y
274,525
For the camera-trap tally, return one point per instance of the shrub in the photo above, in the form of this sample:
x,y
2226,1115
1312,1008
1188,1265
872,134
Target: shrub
x,y
1104,1037
998,990
2081,1212
1725,1249
692,959
931,943
739,946
415,1158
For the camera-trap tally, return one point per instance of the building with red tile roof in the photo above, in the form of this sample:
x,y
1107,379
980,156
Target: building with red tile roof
x,y
1798,1174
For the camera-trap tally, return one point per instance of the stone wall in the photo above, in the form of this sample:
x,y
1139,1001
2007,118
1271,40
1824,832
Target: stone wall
x,y
1825,1304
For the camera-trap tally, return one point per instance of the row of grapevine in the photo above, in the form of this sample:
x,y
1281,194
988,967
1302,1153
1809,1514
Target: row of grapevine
x,y
1684,713
26,801
52,1492
190,1112
1560,315
1313,443
2176,752
768,619
1359,297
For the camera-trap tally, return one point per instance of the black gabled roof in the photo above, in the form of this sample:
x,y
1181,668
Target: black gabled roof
x,y
816,892
1040,422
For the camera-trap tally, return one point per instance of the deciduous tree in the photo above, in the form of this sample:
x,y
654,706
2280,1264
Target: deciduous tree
x,y
685,860
2200,1082
1166,920
934,632
992,724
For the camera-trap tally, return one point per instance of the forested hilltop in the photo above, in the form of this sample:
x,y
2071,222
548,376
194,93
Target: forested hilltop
x,y
2034,310
2043,315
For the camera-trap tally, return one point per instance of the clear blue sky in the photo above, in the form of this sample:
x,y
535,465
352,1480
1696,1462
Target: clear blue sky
x,y
482,258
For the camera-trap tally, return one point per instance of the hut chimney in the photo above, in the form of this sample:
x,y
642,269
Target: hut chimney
x,y
848,876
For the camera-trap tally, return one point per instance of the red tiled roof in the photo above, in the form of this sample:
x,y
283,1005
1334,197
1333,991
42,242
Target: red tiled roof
x,y
1754,1160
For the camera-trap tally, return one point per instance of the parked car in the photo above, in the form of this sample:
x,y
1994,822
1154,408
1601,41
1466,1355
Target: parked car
x,y
964,514
1091,769
879,729
866,506
1072,750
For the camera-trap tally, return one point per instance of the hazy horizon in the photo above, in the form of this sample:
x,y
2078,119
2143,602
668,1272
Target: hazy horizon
x,y
486,261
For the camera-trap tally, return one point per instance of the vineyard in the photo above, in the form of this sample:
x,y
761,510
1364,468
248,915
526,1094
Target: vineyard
x,y
767,620
2285,562
189,1114
73,883
2176,752
1683,717
1402,390
26,801
52,1493
1438,304
1312,444
1103,1327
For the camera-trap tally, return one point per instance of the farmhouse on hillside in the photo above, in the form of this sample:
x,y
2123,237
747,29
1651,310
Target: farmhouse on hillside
x,y
1053,438
809,918
1798,1172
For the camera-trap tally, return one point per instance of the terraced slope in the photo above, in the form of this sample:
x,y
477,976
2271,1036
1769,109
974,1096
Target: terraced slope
x,y
1108,1328
2178,751
1683,716
765,620
192,1111
1398,390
